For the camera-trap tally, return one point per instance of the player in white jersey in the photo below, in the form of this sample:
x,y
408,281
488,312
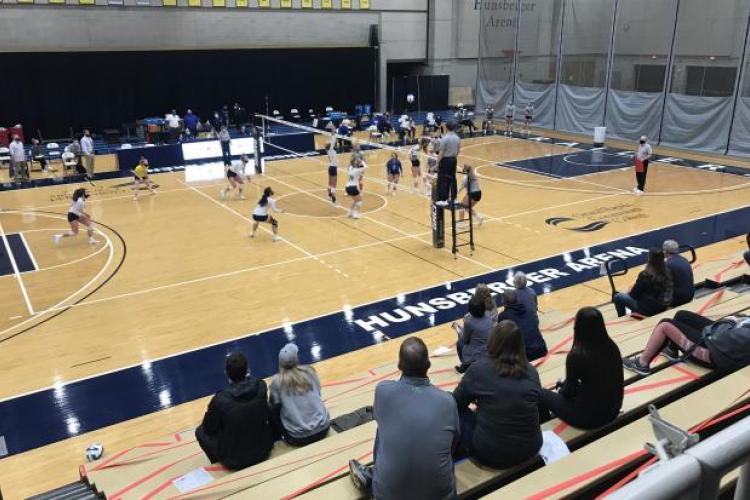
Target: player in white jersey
x,y
236,175
416,171
510,111
333,170
430,150
528,117
76,216
260,214
354,186
470,183
488,125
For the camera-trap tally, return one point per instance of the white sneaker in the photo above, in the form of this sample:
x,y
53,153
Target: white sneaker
x,y
153,191
275,237
92,241
223,194
637,192
480,219
57,238
356,215
441,203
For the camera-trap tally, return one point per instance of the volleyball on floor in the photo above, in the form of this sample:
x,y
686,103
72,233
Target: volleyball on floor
x,y
94,452
410,98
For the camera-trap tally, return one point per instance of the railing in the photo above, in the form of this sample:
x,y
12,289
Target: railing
x,y
696,474
617,267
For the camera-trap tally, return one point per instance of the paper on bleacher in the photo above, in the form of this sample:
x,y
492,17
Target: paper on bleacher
x,y
553,447
193,479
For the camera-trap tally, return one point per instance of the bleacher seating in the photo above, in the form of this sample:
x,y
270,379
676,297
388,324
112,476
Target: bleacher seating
x,y
689,395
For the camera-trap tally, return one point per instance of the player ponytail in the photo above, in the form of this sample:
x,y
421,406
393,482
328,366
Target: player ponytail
x,y
266,194
79,193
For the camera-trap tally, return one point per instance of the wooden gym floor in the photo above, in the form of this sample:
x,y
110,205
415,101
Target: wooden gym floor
x,y
176,271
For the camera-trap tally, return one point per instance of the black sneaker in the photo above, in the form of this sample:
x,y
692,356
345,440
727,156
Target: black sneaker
x,y
634,365
461,368
360,476
671,352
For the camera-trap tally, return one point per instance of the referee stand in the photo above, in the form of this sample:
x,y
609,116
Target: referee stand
x,y
438,223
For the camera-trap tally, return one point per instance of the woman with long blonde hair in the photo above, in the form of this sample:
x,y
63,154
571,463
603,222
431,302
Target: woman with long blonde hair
x,y
300,416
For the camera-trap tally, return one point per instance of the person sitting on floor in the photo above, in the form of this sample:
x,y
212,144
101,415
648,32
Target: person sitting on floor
x,y
682,274
236,430
527,321
300,416
591,394
472,336
418,429
722,344
504,429
652,291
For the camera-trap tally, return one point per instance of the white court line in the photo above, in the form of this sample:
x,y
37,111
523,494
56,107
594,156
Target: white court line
x,y
248,219
28,251
70,262
14,265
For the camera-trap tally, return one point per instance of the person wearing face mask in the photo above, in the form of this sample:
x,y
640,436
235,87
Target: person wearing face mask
x,y
87,152
642,156
236,430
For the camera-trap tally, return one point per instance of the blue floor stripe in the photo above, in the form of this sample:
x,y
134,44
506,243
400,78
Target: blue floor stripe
x,y
24,261
51,415
5,265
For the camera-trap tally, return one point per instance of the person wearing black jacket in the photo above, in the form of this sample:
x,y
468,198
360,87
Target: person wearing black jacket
x,y
504,430
527,321
652,291
682,274
591,394
236,430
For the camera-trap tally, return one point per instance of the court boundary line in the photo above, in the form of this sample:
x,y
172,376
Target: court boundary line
x,y
75,261
442,283
16,272
28,250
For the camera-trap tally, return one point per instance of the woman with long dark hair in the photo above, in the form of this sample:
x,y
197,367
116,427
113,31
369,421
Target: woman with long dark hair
x,y
260,214
77,215
504,430
652,291
591,394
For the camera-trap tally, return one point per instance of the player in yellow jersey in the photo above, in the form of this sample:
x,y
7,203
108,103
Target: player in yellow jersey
x,y
140,174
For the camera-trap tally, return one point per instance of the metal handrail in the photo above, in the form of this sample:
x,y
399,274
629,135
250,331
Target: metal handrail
x,y
611,275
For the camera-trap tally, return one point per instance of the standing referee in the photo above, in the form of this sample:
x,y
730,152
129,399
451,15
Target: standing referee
x,y
642,156
450,147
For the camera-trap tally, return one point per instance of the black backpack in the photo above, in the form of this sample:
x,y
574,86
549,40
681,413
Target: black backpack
x,y
729,344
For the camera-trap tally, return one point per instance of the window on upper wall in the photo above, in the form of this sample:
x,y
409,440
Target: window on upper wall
x,y
710,81
649,77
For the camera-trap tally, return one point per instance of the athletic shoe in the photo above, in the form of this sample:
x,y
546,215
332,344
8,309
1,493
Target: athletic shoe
x,y
333,204
241,197
92,241
637,191
480,219
153,191
356,215
360,475
223,195
57,238
671,352
634,365
441,203
275,237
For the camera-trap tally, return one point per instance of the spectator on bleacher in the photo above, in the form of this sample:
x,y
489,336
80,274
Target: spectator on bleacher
x,y
37,154
490,306
226,141
75,148
17,155
299,415
504,429
591,394
236,430
682,274
239,115
746,254
527,320
525,294
215,121
722,344
225,115
87,152
172,120
418,429
471,343
652,291
191,122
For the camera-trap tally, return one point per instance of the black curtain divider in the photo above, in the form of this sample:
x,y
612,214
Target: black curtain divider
x,y
57,92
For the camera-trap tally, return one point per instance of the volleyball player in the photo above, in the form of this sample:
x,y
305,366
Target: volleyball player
x,y
76,216
430,149
470,183
528,117
354,186
333,171
416,171
236,177
394,170
140,178
488,125
510,110
260,214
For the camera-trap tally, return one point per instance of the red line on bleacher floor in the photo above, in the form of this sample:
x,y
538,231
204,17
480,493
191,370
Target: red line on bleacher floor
x,y
155,452
733,265
557,326
177,436
662,383
325,454
127,450
342,382
711,302
684,370
322,479
165,484
559,428
117,495
629,477
552,351
371,381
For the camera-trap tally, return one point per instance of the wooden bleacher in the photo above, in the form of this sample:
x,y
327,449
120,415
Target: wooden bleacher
x,y
320,469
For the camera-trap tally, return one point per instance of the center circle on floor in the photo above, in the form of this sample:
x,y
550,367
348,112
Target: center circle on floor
x,y
316,204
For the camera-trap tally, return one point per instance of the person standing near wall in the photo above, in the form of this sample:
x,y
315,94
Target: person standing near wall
x,y
87,152
642,157
17,156
226,141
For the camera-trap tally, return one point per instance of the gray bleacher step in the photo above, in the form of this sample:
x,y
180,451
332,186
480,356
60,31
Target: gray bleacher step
x,y
72,491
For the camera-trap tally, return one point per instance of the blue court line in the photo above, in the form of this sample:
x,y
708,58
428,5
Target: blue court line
x,y
6,267
49,415
24,260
